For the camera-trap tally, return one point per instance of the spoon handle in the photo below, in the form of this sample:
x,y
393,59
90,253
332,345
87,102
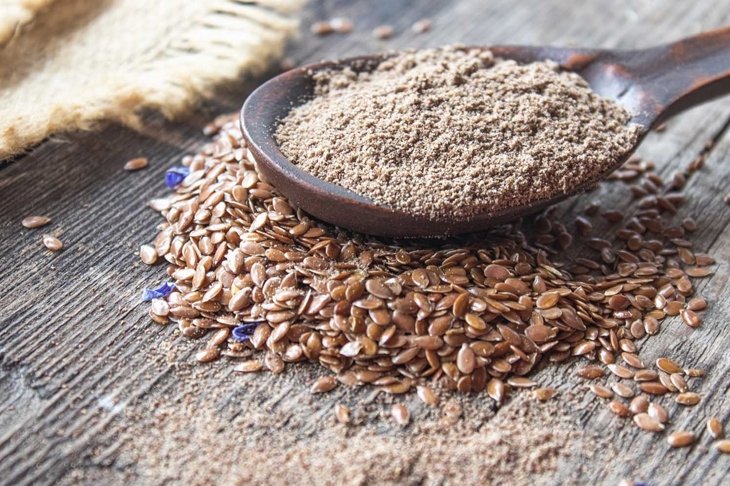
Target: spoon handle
x,y
673,77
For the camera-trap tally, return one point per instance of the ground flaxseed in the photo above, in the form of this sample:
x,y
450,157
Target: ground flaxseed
x,y
451,132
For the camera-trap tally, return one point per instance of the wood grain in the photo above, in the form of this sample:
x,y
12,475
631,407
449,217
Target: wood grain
x,y
77,351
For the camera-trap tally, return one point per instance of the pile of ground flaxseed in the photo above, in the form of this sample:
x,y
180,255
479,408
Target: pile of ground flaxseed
x,y
451,133
263,285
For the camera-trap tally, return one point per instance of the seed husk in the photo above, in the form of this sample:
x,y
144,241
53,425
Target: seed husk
x,y
681,438
31,222
715,428
52,243
645,422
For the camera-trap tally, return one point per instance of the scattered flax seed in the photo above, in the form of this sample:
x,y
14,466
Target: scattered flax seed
x,y
668,366
727,199
544,394
31,222
208,354
691,318
520,382
427,395
52,243
645,422
136,164
601,391
624,391
619,408
341,25
383,32
653,388
324,384
421,26
148,254
251,366
321,28
342,413
239,255
658,412
714,427
400,414
688,398
723,446
681,439
639,404
590,372
694,372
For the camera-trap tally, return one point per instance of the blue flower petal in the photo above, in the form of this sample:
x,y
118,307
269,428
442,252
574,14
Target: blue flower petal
x,y
175,176
245,331
162,291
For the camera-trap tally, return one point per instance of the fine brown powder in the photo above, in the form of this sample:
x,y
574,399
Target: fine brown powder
x,y
454,132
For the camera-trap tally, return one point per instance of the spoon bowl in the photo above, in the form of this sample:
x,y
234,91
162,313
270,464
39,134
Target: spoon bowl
x,y
651,84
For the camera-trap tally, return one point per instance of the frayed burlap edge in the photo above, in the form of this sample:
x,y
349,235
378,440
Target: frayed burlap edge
x,y
233,38
15,13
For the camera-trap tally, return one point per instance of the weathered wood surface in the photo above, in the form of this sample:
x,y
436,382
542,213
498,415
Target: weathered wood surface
x,y
77,348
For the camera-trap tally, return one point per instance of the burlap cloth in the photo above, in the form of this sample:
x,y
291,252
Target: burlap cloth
x,y
68,64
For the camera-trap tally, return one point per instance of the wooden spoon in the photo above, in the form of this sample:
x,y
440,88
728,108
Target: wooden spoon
x,y
652,84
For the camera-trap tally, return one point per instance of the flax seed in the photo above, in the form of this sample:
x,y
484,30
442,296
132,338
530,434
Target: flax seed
x,y
639,404
601,391
400,414
342,413
681,439
324,384
544,394
52,243
645,422
383,32
658,412
688,398
136,164
723,445
32,222
715,428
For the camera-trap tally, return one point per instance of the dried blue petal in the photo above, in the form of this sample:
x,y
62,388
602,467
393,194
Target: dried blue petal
x,y
175,175
162,291
245,331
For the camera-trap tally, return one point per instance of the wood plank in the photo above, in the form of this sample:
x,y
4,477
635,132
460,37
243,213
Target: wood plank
x,y
82,369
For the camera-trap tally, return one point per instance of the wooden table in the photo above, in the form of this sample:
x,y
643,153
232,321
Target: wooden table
x,y
78,353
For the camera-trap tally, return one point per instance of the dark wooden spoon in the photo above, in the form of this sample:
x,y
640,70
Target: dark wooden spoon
x,y
652,84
